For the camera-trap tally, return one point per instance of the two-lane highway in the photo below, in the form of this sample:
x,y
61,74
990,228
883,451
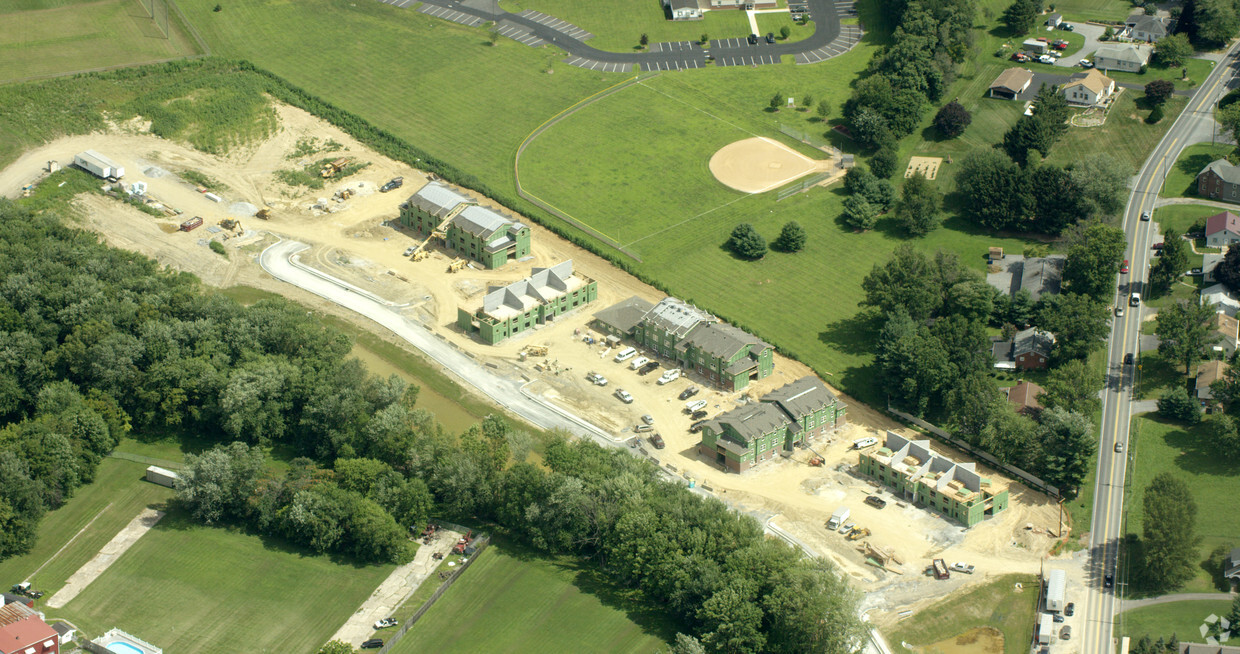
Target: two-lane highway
x,y
1108,508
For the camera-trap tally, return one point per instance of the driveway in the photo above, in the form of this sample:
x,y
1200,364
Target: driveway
x,y
1129,605
1091,33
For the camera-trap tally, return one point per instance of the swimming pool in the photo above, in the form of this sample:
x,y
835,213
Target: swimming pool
x,y
124,648
121,642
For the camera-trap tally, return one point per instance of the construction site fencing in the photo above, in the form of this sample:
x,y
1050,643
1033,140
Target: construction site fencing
x,y
480,544
990,460
801,186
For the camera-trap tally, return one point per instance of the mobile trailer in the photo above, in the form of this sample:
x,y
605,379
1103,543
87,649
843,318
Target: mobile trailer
x,y
97,164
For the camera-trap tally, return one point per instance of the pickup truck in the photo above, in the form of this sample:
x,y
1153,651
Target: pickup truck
x,y
962,567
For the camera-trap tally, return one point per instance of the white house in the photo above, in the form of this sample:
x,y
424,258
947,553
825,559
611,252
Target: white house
x,y
1128,57
1088,88
1222,229
1035,46
683,9
1221,298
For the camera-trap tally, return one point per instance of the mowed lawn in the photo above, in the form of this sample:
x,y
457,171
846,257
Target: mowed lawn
x,y
996,604
1182,218
191,588
617,25
1183,619
513,601
1164,446
49,37
1182,178
116,497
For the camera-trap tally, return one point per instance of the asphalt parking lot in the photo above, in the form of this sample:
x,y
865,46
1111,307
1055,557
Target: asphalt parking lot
x,y
445,13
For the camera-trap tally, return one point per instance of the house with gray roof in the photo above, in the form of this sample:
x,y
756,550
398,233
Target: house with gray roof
x,y
1231,567
1031,349
1202,648
620,320
470,230
1038,275
724,355
1210,261
1147,28
785,418
1128,57
1219,181
528,303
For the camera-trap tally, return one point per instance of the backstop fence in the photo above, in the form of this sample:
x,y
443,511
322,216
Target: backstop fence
x,y
805,136
804,184
480,544
158,11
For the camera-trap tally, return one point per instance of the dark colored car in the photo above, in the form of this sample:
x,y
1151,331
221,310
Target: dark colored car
x,y
657,441
1128,359
394,183
698,415
876,501
770,37
753,39
373,643
696,427
1069,609
649,368
1157,246
1108,581
689,392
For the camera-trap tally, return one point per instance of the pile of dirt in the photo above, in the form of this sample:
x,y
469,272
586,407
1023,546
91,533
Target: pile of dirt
x,y
242,209
154,172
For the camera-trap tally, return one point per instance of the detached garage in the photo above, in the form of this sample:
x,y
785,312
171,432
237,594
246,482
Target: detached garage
x,y
1011,83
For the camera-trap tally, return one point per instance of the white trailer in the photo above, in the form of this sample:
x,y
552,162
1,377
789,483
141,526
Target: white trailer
x,y
1056,583
157,475
95,163
841,514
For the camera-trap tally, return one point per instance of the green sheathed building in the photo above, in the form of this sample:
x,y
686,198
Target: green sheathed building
x,y
788,416
526,304
917,474
470,230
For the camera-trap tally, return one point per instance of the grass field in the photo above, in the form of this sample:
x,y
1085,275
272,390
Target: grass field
x,y
772,23
1182,619
1161,446
51,37
617,25
994,604
513,601
191,588
1080,10
1198,71
1183,217
1182,179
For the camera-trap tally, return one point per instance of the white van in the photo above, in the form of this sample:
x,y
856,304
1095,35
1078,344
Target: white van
x,y
695,405
1135,300
638,362
626,354
862,443
670,376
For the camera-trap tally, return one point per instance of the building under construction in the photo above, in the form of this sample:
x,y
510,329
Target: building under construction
x,y
470,230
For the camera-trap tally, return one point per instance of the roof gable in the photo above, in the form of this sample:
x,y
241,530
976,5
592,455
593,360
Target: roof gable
x,y
750,421
1124,52
801,398
1033,340
437,199
541,286
722,340
1225,221
1013,80
1092,80
1224,169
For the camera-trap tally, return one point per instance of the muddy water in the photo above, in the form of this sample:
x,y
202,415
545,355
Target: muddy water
x,y
983,640
449,413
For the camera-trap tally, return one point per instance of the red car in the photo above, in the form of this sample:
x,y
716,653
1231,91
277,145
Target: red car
x,y
1123,268
1157,246
1061,46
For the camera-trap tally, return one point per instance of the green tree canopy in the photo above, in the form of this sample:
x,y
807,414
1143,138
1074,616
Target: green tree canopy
x,y
952,119
1073,386
1093,261
1169,524
1175,404
858,213
1170,265
1184,331
1069,446
791,238
746,242
918,210
1079,323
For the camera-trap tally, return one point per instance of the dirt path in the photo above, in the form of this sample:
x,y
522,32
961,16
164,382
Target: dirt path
x,y
394,590
108,554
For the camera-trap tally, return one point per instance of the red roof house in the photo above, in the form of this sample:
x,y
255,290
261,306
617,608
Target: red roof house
x,y
1222,229
22,631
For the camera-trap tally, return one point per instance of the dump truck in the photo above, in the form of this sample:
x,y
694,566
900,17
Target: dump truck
x,y
333,167
940,570
97,164
191,224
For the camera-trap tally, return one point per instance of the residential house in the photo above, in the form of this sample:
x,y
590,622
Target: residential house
x,y
1053,20
1219,181
1147,28
65,633
22,631
1209,262
1208,373
1001,351
1088,88
1038,275
484,235
1231,567
683,9
1222,229
1011,83
917,474
1222,299
789,416
520,306
1031,349
1024,397
1227,329
620,320
1128,57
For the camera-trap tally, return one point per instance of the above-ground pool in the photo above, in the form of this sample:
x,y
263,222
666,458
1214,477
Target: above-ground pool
x,y
124,643
124,648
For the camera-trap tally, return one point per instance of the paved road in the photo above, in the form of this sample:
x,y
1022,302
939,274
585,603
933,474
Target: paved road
x,y
1108,507
1129,605
512,395
535,29
1091,34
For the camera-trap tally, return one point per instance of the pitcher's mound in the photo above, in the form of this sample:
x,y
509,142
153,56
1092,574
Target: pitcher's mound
x,y
761,164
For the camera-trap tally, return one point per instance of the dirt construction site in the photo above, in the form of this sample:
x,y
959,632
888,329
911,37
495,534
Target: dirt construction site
x,y
358,240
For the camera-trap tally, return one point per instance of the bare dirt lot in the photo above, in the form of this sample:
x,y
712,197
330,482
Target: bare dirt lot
x,y
358,241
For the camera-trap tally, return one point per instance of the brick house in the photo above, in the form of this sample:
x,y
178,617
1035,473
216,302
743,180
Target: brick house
x,y
1031,349
788,416
470,230
523,305
1219,181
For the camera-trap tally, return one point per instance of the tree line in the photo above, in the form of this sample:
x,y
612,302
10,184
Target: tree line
x,y
96,343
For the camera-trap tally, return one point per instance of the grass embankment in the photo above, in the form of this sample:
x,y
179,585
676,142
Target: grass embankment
x,y
996,604
41,38
513,601
1159,446
1182,619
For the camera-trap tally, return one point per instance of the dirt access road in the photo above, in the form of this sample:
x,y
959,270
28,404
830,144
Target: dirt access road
x,y
355,242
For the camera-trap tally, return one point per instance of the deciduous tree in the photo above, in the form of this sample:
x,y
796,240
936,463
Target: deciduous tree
x,y
1093,262
1170,265
1079,323
1069,446
1073,386
1173,50
1177,405
918,210
1169,541
1183,330
952,119
1159,90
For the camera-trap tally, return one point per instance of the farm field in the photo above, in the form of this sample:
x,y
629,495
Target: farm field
x,y
1163,446
512,600
617,25
191,588
1182,619
994,604
51,37
1182,179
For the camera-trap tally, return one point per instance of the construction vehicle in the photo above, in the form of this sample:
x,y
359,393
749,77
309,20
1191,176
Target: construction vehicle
x,y
191,224
343,194
463,543
457,264
264,213
419,254
940,569
536,350
332,167
815,461
858,533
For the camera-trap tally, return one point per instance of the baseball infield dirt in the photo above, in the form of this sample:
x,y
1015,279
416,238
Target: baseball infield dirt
x,y
761,164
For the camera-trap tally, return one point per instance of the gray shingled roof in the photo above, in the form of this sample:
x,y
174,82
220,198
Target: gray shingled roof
x,y
750,421
683,4
481,222
1125,52
625,315
722,340
1033,340
677,316
1225,170
555,277
1151,24
801,397
437,200
1042,275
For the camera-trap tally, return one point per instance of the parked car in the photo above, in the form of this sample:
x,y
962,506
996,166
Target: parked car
x,y
626,354
1057,618
596,379
696,427
1157,246
1195,272
373,643
648,419
1069,609
689,392
409,250
642,428
1020,56
1067,27
695,405
1123,267
1055,54
876,501
961,566
1046,59
753,39
669,376
1066,634
1085,63
657,441
638,362
650,367
624,396
698,415
394,183
385,623
847,528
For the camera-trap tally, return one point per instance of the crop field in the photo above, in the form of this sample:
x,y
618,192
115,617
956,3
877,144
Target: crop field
x,y
617,25
52,37
513,601
190,588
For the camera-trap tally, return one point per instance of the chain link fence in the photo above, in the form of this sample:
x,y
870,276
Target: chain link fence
x,y
803,185
480,544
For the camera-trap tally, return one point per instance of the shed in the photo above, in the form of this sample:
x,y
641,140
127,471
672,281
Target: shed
x,y
994,254
1056,583
157,475
1011,83
1054,20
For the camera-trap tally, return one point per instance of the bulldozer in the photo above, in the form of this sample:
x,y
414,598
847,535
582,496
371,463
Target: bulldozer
x,y
456,265
333,167
264,213
858,533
